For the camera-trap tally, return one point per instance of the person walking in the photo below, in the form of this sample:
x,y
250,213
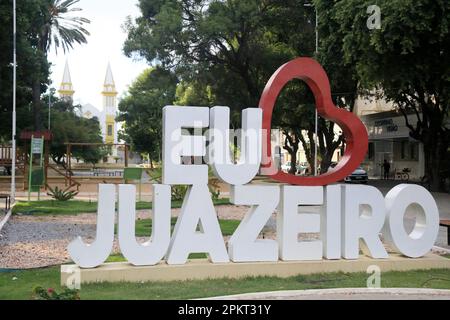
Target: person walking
x,y
386,169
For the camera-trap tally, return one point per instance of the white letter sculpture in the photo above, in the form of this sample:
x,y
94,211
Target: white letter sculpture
x,y
197,209
94,254
330,222
250,147
152,251
361,223
290,223
424,234
243,245
177,145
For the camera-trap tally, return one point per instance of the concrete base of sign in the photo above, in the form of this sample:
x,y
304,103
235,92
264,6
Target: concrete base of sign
x,y
200,269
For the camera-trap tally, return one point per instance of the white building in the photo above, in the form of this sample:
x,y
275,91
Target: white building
x,y
389,140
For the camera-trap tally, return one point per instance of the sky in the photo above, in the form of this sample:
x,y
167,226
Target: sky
x,y
88,62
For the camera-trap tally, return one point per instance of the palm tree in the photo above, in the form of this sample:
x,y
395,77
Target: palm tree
x,y
59,29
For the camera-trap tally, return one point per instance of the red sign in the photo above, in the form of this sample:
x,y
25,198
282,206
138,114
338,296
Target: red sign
x,y
355,132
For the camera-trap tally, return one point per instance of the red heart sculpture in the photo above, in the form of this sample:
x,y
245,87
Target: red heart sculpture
x,y
310,71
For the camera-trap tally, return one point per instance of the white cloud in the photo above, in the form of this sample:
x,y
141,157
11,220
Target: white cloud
x,y
88,62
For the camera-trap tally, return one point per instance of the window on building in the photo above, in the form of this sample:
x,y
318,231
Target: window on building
x,y
414,151
371,151
407,150
110,130
403,147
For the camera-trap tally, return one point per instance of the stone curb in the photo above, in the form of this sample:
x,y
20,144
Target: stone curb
x,y
352,293
6,218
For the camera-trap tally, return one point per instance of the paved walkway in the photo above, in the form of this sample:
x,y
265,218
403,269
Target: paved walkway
x,y
344,294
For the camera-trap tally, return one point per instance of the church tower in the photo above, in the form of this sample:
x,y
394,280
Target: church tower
x,y
66,89
110,107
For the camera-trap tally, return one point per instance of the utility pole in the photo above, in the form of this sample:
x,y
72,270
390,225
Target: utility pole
x,y
317,115
13,156
316,120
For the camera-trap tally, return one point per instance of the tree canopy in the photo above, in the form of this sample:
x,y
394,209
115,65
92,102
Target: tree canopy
x,y
141,110
31,64
224,52
408,60
40,24
69,126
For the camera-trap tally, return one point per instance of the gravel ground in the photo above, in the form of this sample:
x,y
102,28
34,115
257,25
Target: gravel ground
x,y
38,241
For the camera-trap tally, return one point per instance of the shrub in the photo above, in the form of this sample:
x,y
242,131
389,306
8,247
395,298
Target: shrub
x,y
40,293
61,195
179,191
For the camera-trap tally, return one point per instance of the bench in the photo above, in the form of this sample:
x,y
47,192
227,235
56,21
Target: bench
x,y
7,198
446,223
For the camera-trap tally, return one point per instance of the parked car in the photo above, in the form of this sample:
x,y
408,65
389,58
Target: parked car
x,y
287,166
358,176
302,167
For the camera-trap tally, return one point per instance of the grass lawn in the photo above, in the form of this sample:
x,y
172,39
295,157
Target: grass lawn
x,y
144,227
74,207
20,284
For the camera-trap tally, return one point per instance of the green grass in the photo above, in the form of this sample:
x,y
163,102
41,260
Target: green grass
x,y
54,207
74,207
25,281
144,226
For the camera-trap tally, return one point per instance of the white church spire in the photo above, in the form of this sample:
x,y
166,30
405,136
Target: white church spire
x,y
109,79
110,106
66,89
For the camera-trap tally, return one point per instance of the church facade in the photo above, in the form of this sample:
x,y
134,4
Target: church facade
x,y
107,116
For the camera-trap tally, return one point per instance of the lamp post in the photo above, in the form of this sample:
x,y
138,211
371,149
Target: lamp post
x,y
49,108
13,156
316,113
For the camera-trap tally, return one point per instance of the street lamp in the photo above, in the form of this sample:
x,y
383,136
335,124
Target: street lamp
x,y
13,156
317,25
49,108
316,114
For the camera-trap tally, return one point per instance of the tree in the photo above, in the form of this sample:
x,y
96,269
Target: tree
x,y
69,126
295,110
225,47
233,47
141,110
30,64
194,94
408,59
211,41
54,28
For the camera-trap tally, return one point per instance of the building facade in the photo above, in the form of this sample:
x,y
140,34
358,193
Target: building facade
x,y
389,140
